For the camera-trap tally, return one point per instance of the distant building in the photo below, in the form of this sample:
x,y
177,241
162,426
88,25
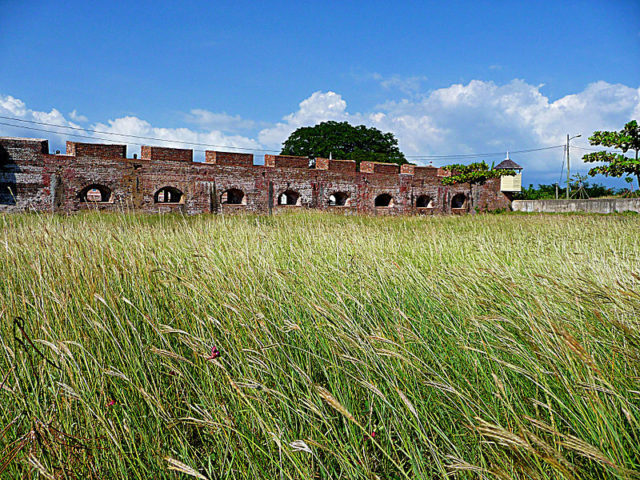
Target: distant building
x,y
510,183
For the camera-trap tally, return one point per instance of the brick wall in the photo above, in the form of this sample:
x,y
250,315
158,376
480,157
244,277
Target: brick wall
x,y
166,154
42,182
286,161
418,171
228,158
96,150
377,167
344,166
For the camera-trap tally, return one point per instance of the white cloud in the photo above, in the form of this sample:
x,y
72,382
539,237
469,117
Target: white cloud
x,y
219,121
49,122
461,118
173,137
480,117
77,117
15,108
319,107
408,85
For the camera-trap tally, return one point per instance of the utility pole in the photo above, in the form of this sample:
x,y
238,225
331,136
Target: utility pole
x,y
568,167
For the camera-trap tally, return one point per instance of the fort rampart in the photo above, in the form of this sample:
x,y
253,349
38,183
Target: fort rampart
x,y
96,176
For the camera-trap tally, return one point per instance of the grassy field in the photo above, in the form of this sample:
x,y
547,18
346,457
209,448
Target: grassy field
x,y
504,346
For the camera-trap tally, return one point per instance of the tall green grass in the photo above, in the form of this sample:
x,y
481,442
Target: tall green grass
x,y
351,347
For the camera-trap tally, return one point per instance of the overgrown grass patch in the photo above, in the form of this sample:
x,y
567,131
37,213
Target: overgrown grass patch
x,y
486,346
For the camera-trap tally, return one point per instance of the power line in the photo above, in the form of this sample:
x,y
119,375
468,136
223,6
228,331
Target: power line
x,y
597,149
121,135
417,157
84,136
490,154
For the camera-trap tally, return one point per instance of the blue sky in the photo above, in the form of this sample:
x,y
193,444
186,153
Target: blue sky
x,y
445,77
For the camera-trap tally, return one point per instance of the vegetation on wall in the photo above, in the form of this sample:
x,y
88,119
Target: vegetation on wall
x,y
474,173
344,141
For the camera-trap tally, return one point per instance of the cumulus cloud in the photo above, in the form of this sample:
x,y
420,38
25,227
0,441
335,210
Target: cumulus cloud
x,y
479,117
319,107
16,108
459,119
173,137
408,85
482,116
74,115
51,126
219,121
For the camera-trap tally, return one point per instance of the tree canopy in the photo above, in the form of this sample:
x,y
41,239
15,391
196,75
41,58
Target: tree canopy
x,y
616,164
342,140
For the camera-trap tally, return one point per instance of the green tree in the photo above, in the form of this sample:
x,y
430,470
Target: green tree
x,y
474,174
344,141
616,164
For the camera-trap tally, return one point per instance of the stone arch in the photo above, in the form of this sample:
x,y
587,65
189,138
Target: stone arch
x,y
233,196
339,199
168,195
289,198
424,201
459,201
384,200
95,193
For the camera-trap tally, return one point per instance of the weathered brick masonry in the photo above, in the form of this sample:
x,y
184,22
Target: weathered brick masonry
x,y
93,176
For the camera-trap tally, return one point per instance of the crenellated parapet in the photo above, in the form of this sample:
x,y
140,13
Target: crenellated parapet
x,y
229,159
342,166
100,176
96,150
166,154
285,161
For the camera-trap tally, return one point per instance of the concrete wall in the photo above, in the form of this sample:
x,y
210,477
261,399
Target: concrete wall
x,y
595,205
31,179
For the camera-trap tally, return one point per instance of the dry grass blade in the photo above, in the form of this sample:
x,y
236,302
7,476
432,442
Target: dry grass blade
x,y
178,466
331,400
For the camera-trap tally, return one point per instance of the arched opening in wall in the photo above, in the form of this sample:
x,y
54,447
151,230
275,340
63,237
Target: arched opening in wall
x,y
233,196
384,200
168,195
339,199
424,201
95,193
289,197
459,201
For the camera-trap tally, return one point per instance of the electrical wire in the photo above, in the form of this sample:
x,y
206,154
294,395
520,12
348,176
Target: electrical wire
x,y
86,136
100,132
596,149
475,155
119,134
